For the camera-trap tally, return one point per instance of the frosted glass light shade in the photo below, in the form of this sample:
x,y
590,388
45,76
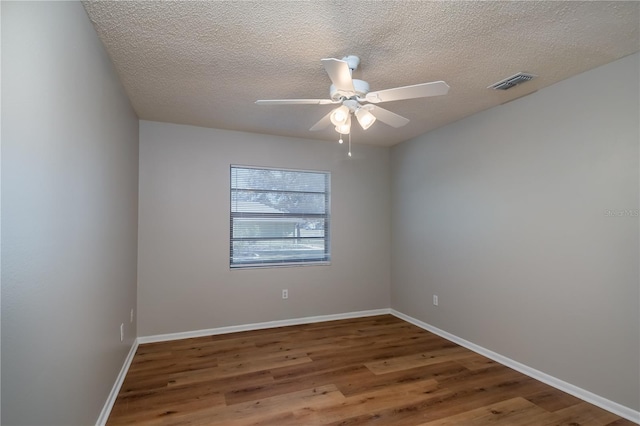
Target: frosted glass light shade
x,y
340,115
344,129
365,118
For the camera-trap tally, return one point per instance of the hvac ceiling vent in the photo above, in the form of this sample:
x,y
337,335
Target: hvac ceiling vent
x,y
514,80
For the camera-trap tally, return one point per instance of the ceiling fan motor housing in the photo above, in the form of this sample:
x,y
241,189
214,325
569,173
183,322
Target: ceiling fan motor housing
x,y
361,88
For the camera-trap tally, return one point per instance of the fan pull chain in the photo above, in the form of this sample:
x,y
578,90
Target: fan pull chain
x,y
349,153
340,141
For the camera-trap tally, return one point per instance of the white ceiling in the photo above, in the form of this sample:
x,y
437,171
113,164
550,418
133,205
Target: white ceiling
x,y
205,63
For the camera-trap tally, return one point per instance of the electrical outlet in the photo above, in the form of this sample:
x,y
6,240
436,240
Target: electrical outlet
x,y
285,293
435,300
121,332
131,319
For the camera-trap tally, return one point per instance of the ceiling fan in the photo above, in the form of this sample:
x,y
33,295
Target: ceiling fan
x,y
355,98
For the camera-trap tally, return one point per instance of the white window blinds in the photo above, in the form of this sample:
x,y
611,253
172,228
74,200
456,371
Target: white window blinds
x,y
278,217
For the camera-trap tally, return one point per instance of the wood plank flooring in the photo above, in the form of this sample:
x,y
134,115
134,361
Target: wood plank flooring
x,y
376,370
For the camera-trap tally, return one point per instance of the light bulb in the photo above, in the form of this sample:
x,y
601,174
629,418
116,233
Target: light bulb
x,y
365,118
340,115
344,129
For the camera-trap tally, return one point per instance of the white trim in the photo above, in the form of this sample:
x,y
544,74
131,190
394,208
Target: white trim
x,y
259,326
614,407
111,399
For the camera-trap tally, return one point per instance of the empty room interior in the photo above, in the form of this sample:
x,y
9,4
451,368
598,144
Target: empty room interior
x,y
331,212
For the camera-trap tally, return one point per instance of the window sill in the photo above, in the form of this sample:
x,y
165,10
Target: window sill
x,y
277,265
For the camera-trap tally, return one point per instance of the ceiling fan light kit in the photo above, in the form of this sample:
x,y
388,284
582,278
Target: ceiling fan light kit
x,y
354,98
344,128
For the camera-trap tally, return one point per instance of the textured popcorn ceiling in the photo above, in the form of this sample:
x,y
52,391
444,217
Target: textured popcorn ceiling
x,y
205,63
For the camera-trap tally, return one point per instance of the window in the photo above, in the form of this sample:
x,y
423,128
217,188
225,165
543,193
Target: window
x,y
278,217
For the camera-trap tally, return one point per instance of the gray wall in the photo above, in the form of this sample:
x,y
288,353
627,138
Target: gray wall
x,y
184,278
69,216
503,216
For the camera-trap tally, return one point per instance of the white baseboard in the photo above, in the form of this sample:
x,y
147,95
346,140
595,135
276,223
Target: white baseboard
x,y
585,395
111,399
259,326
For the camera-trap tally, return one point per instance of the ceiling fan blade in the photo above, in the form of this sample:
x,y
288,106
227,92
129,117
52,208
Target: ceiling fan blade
x,y
387,117
435,88
339,74
323,123
295,102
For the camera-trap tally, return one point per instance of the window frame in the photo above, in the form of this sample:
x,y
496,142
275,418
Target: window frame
x,y
324,217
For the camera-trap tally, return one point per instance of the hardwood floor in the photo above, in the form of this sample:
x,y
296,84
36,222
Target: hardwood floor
x,y
376,370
